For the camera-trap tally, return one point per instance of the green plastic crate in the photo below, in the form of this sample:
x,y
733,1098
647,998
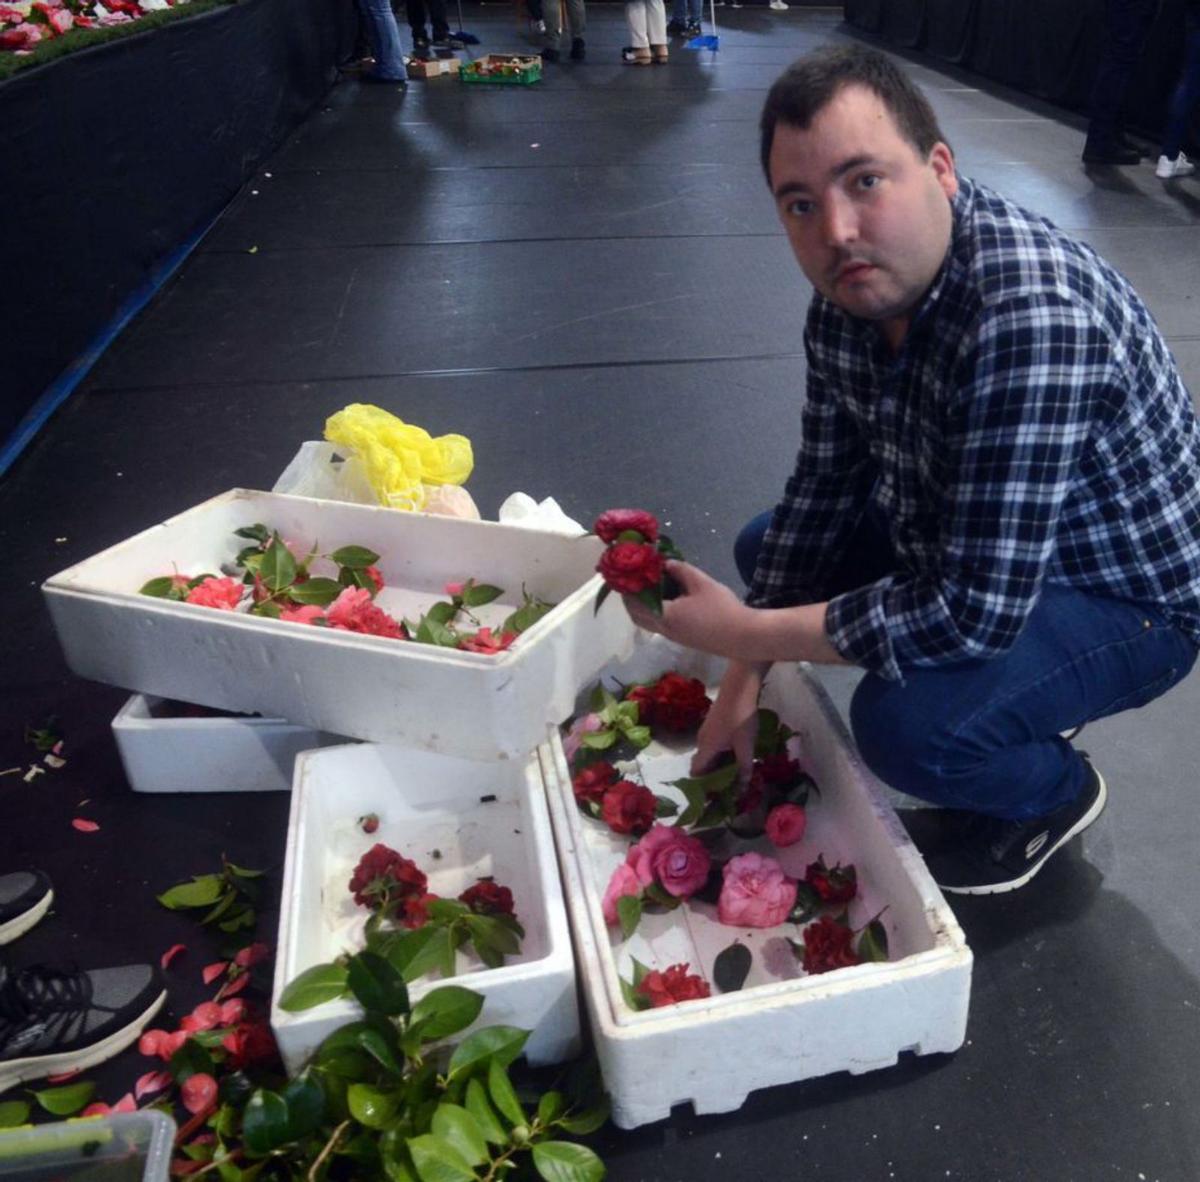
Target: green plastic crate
x,y
526,73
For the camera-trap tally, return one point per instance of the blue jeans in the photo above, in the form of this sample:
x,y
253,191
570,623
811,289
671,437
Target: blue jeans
x,y
385,38
1186,92
684,11
984,734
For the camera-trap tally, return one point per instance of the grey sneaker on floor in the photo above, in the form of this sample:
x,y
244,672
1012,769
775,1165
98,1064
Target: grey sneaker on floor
x,y
53,1021
25,896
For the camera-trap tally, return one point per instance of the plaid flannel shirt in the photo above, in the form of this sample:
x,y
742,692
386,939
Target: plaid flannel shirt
x,y
1032,428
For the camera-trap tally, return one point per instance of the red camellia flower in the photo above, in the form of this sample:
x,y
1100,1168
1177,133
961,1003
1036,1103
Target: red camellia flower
x,y
672,985
488,898
628,807
373,573
353,611
384,877
611,524
827,945
630,567
198,1092
249,1043
676,703
486,641
224,594
786,824
415,913
591,783
777,769
836,884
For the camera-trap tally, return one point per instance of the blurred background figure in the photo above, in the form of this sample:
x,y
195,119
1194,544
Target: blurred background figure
x,y
1128,22
1171,161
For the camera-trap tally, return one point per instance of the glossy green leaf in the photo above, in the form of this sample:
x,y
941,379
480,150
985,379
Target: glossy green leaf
x,y
13,1113
639,736
441,613
732,967
376,984
873,943
278,568
190,1059
601,595
598,740
305,1102
564,1161
477,594
456,1126
67,1100
380,1041
371,1106
395,1158
664,806
314,987
417,953
202,891
447,909
355,557
551,1106
480,1107
436,1160
159,588
446,1011
255,533
587,1121
503,1094
629,912
485,929
499,1043
316,591
265,1122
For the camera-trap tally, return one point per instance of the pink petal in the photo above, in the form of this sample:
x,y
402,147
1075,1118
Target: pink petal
x,y
198,1092
237,985
233,1011
125,1104
206,1015
171,953
151,1042
251,955
99,1108
63,1077
84,826
151,1082
214,970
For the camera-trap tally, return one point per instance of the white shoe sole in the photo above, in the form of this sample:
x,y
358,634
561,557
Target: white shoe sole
x,y
1000,888
39,1066
22,923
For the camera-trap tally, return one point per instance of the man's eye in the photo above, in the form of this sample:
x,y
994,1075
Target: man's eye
x,y
799,208
868,180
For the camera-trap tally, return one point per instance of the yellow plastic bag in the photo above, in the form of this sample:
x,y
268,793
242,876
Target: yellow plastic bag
x,y
397,459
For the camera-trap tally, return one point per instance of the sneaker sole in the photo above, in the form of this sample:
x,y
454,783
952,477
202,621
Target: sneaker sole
x,y
39,1066
1000,888
19,925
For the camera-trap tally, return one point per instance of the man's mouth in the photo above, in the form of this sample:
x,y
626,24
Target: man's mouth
x,y
853,270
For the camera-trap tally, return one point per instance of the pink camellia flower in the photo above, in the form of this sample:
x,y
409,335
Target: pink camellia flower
x,y
623,882
580,727
252,954
353,611
204,1017
756,893
453,589
224,594
309,613
10,15
786,824
678,862
614,522
198,1092
486,641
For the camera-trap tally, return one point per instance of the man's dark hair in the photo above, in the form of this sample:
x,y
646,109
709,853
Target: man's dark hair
x,y
809,84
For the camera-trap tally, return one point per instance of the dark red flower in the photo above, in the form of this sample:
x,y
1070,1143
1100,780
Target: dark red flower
x,y
249,1043
777,769
827,946
672,985
628,807
611,524
833,884
680,703
414,910
643,697
591,783
488,898
630,567
383,877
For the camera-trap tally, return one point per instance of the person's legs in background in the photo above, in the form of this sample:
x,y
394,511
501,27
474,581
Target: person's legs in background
x,y
385,41
1128,22
1172,162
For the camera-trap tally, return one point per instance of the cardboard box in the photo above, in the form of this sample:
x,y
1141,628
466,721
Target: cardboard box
x,y
437,67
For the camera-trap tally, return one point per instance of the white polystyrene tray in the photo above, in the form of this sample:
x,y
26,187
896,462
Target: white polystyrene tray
x,y
426,803
783,1026
245,754
364,687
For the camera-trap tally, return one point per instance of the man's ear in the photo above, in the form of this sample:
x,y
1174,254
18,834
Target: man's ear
x,y
941,160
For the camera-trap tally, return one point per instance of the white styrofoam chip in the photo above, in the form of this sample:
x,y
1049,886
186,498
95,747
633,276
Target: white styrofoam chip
x,y
165,753
434,809
365,687
784,1025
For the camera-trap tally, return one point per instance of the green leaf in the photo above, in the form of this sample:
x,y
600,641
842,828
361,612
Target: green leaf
x,y
655,892
633,999
664,806
255,533
393,1152
457,1127
431,632
355,557
564,1161
587,1121
503,1094
598,740
502,1044
446,1011
305,1102
526,616
480,1107
732,967
379,1040
807,903
652,598
441,613
711,783
551,1106
377,985
873,943
314,987
203,891
13,1113
343,1062
278,569
436,1160
447,909
601,595
640,971
265,1122
415,953
486,930
477,594
372,1106
639,736
190,1059
629,912
159,588
318,591
66,1100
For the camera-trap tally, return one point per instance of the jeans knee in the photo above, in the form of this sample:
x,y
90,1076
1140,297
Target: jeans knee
x,y
748,544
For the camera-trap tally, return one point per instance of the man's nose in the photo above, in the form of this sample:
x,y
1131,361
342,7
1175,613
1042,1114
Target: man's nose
x,y
840,221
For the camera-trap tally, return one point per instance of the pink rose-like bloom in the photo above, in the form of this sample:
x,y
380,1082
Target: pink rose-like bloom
x,y
675,860
198,1092
10,15
786,824
453,589
223,594
623,882
580,727
309,613
353,611
756,894
614,522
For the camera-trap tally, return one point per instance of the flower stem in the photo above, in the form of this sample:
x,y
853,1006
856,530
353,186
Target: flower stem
x,y
327,1150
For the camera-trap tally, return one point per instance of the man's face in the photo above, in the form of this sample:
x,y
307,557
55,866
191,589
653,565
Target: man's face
x,y
868,218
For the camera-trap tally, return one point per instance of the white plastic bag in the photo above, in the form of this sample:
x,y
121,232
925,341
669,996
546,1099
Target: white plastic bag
x,y
522,509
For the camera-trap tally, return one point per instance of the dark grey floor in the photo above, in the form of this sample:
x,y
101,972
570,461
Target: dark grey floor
x,y
586,278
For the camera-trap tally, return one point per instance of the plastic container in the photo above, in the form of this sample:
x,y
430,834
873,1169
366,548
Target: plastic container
x,y
783,1026
459,821
162,752
514,69
122,1147
364,687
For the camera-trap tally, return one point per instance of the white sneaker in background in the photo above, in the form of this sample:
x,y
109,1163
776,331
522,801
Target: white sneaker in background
x,y
1168,168
779,5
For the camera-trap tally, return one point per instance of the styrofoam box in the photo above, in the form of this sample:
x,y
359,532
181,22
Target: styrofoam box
x,y
784,1025
436,810
364,687
222,754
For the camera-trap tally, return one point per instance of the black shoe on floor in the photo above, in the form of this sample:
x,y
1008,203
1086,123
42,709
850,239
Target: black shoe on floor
x,y
549,55
694,29
25,896
53,1021
988,856
676,28
1110,154
420,46
578,50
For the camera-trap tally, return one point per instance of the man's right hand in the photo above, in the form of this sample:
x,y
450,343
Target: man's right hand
x,y
732,723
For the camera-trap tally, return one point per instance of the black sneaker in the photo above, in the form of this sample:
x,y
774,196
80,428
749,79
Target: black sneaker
x,y
53,1021
675,28
578,50
987,856
1114,153
420,46
549,55
25,897
693,29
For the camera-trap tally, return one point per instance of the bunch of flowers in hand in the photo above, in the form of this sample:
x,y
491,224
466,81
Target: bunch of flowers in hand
x,y
664,868
632,564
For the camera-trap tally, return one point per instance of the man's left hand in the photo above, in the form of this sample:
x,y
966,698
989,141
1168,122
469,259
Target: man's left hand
x,y
707,616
